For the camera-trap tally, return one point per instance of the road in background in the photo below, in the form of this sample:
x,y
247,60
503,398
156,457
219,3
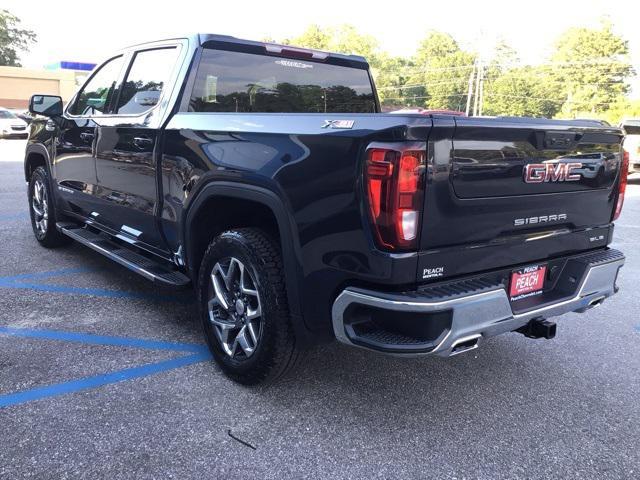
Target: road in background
x,y
514,408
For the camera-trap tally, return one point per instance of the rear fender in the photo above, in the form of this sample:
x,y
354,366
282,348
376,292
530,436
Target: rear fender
x,y
288,233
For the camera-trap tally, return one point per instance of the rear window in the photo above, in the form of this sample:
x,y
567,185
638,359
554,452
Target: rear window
x,y
246,82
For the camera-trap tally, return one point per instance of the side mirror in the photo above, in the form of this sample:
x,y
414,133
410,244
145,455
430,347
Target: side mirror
x,y
47,105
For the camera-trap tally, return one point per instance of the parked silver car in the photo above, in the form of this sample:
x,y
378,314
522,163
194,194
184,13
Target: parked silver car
x,y
11,126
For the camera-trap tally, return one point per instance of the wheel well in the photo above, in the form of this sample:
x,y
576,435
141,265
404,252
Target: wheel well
x,y
218,214
34,160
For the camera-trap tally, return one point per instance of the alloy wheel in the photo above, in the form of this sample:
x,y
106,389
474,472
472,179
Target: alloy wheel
x,y
40,206
234,308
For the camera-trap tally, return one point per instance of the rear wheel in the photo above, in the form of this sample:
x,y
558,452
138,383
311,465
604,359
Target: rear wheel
x,y
42,211
244,310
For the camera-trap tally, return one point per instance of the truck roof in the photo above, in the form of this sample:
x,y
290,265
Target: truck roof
x,y
251,46
228,42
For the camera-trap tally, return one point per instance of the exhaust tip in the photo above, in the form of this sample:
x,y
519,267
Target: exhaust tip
x,y
465,344
596,302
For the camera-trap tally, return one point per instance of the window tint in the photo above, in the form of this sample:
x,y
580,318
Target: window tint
x,y
95,96
146,78
245,82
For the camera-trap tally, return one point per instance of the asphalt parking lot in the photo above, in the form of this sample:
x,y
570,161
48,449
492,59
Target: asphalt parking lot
x,y
103,375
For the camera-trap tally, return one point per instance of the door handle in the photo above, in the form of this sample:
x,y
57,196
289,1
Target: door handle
x,y
142,142
87,137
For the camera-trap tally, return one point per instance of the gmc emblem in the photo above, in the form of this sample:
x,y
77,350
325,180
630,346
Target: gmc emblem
x,y
551,172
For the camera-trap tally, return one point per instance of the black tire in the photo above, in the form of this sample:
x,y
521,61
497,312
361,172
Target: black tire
x,y
275,351
43,214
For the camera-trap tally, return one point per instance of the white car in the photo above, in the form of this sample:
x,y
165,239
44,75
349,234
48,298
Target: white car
x,y
631,143
11,126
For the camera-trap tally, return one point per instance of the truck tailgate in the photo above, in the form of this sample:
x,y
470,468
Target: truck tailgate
x,y
508,183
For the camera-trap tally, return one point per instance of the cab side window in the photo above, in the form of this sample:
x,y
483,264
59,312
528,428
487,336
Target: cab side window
x,y
145,80
95,97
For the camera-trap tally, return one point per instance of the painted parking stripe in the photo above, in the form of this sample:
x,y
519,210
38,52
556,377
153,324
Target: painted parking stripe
x,y
72,386
48,274
5,217
104,340
95,292
14,281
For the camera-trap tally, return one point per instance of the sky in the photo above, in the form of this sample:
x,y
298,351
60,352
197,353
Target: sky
x,y
88,31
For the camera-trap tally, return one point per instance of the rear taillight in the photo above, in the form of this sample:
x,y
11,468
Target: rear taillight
x,y
624,173
395,189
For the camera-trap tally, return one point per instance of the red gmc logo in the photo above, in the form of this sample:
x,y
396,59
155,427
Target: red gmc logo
x,y
551,172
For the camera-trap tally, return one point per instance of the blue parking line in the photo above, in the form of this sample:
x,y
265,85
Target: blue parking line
x,y
14,281
39,393
51,273
91,339
95,292
13,216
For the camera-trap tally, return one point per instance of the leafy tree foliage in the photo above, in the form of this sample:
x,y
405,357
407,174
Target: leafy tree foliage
x,y
443,69
340,39
586,76
521,91
592,67
13,39
389,72
393,81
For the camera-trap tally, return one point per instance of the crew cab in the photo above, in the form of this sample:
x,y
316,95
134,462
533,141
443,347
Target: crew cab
x,y
265,177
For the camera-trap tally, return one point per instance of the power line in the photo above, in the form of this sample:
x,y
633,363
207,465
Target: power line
x,y
559,101
596,62
461,80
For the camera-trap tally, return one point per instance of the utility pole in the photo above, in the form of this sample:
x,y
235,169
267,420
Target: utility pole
x,y
481,100
476,100
470,89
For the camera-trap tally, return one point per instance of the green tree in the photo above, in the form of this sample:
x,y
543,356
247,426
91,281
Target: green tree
x,y
340,39
617,111
387,70
587,75
522,91
391,74
443,69
591,69
313,37
13,39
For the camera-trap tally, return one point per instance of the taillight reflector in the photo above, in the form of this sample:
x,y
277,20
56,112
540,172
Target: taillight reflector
x,y
395,191
622,184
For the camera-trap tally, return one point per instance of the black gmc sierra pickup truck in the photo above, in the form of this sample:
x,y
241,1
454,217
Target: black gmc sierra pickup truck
x,y
266,177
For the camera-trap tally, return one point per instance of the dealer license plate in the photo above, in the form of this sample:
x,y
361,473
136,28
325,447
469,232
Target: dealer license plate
x,y
527,281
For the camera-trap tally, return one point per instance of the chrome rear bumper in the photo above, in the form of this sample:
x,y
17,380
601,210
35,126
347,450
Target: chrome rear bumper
x,y
474,315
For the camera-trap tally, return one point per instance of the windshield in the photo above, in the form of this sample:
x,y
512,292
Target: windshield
x,y
6,114
246,82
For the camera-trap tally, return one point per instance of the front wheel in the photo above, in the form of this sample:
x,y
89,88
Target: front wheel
x,y
42,211
244,309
